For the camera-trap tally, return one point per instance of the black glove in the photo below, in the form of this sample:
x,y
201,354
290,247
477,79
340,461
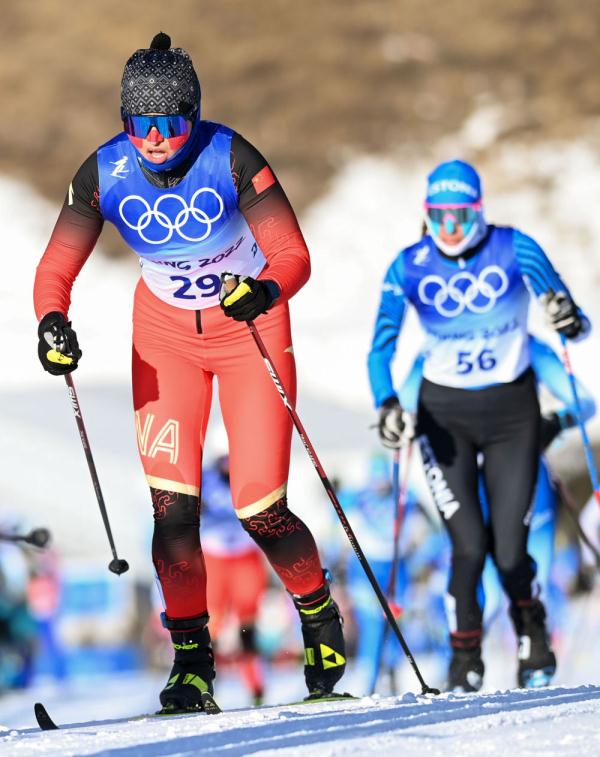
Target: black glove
x,y
395,425
244,298
552,425
563,314
58,349
550,428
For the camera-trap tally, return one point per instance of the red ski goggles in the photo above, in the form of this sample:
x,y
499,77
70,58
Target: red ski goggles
x,y
168,126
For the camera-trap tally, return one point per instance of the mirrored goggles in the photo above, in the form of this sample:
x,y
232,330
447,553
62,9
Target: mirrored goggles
x,y
463,215
168,126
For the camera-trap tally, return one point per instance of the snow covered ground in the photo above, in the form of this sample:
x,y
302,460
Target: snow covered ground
x,y
555,721
562,720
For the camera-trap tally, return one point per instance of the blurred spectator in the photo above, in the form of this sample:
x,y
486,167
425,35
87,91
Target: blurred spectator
x,y
44,596
237,575
17,628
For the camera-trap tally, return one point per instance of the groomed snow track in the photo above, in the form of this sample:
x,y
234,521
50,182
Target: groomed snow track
x,y
553,721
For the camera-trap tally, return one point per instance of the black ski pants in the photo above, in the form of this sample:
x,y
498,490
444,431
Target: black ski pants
x,y
492,434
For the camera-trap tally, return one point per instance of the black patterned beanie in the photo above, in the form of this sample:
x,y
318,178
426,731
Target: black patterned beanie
x,y
160,79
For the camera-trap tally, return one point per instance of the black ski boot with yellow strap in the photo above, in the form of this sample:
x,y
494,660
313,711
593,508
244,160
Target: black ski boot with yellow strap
x,y
189,688
324,647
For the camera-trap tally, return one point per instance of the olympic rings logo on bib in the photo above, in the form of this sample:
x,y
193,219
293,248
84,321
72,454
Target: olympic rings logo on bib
x,y
478,294
166,222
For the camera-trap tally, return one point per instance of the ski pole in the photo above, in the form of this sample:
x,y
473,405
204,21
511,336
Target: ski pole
x,y
399,495
338,508
383,635
399,519
587,447
39,537
116,565
572,510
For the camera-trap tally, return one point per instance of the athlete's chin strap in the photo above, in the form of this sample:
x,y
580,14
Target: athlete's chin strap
x,y
472,239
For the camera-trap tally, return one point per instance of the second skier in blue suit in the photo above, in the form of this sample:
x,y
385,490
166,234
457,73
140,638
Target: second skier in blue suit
x,y
470,283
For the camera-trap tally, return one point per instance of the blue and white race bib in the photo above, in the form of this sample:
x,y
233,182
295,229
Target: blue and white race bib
x,y
474,315
187,235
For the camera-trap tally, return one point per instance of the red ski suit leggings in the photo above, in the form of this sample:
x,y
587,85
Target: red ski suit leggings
x,y
176,355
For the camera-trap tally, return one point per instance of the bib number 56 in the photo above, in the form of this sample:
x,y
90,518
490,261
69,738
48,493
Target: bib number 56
x,y
467,361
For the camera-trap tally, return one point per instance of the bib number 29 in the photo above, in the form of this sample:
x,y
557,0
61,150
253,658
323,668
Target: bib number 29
x,y
206,286
467,361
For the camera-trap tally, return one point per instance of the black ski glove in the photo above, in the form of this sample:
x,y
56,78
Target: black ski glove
x,y
552,425
550,428
248,298
563,314
395,425
58,349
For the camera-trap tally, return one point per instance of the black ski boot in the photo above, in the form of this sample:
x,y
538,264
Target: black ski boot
x,y
466,669
537,663
324,647
189,688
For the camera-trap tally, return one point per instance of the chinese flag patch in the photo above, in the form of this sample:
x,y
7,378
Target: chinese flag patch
x,y
263,180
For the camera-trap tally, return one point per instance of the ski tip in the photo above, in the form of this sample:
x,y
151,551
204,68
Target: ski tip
x,y
44,720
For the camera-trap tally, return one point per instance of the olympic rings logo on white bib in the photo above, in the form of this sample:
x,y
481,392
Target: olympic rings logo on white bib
x,y
182,217
449,300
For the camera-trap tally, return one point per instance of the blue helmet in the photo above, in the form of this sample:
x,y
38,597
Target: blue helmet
x,y
453,183
454,213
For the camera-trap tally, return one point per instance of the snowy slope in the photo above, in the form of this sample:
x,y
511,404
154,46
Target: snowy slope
x,y
555,721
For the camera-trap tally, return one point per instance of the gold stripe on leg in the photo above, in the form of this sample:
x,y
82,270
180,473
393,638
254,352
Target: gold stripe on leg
x,y
172,486
257,507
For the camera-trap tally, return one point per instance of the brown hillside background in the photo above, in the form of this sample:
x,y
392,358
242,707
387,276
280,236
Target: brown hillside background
x,y
310,82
